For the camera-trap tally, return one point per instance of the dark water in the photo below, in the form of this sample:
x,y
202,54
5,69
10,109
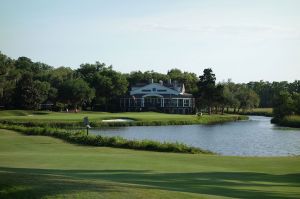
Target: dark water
x,y
255,137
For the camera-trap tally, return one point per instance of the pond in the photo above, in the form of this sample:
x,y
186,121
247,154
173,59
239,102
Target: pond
x,y
254,137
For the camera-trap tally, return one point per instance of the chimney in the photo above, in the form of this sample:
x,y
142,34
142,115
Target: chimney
x,y
151,81
170,81
161,82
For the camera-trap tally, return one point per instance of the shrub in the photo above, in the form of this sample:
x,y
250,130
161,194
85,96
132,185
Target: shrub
x,y
289,121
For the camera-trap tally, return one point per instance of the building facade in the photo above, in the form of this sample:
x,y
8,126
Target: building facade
x,y
168,98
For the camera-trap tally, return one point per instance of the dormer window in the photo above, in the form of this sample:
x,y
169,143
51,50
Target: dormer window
x,y
154,89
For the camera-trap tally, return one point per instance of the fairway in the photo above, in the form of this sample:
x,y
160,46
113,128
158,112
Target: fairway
x,y
145,117
44,167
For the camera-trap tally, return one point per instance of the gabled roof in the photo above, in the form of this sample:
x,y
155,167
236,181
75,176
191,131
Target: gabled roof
x,y
156,88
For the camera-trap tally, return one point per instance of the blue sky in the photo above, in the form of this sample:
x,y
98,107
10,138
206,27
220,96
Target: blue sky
x,y
239,39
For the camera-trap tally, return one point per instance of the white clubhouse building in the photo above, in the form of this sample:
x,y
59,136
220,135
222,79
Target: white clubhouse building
x,y
168,98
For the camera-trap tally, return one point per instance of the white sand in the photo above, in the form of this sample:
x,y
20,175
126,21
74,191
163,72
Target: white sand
x,y
118,120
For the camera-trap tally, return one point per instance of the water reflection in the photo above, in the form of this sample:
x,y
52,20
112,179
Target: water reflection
x,y
255,137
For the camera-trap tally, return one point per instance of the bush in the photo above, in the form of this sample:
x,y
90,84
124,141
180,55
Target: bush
x,y
289,121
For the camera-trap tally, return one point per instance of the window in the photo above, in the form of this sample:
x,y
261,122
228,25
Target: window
x,y
154,89
186,102
146,90
161,90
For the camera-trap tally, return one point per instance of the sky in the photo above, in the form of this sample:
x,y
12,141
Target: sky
x,y
240,40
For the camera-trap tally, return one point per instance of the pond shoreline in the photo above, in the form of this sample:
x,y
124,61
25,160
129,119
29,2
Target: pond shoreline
x,y
148,143
254,137
288,121
80,137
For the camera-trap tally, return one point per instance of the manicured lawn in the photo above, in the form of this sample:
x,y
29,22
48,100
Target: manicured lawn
x,y
47,116
44,167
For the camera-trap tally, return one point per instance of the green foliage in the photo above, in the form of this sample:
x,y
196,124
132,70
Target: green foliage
x,y
26,84
268,112
207,89
286,109
248,99
224,95
230,93
8,78
289,121
75,92
296,103
268,91
109,85
283,105
29,92
188,79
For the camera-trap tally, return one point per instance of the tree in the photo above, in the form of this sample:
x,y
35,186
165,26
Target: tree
x,y
283,105
294,87
110,86
76,92
25,84
188,79
8,78
206,89
230,95
87,71
42,90
219,98
24,63
30,93
136,77
248,99
296,103
57,76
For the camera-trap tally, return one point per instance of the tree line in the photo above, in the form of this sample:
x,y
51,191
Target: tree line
x,y
25,84
285,104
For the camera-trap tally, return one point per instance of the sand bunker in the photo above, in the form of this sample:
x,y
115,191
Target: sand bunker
x,y
118,120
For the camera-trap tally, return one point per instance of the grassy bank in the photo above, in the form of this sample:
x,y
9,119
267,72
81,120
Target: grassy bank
x,y
256,111
288,121
62,120
260,112
80,137
44,167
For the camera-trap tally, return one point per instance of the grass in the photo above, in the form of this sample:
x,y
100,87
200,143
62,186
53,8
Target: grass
x,y
40,118
80,137
45,167
261,111
256,111
289,121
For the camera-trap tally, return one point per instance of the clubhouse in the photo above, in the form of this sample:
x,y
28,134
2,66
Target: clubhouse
x,y
167,98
